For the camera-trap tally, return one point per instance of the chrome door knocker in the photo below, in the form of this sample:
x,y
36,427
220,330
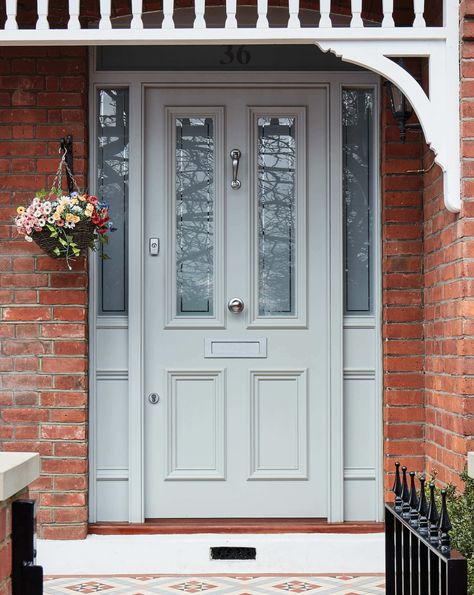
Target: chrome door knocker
x,y
235,155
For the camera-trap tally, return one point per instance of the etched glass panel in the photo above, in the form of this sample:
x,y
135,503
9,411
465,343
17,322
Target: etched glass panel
x,y
276,190
195,191
112,187
357,122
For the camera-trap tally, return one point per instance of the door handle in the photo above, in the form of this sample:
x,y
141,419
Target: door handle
x,y
235,155
236,305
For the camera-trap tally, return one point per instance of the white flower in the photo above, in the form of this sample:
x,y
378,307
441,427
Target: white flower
x,y
46,209
69,224
51,220
41,222
38,213
28,238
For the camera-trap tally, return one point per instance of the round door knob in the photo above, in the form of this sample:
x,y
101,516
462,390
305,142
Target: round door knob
x,y
235,305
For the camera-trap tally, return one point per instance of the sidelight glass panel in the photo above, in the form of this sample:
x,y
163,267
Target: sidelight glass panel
x,y
357,147
195,192
276,192
112,187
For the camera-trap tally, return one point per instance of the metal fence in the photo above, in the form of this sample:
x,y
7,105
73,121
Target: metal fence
x,y
418,555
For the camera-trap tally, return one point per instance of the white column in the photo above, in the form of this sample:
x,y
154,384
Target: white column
x,y
105,12
11,15
42,22
388,14
137,11
199,8
325,20
294,9
419,6
168,8
74,9
262,11
356,20
231,9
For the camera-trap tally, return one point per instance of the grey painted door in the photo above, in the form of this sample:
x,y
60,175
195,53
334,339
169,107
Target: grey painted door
x,y
240,427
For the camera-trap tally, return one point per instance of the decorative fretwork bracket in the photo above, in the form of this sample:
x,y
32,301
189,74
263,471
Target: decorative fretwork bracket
x,y
438,113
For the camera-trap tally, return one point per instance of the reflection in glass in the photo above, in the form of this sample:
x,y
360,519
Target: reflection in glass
x,y
195,192
112,187
276,189
357,119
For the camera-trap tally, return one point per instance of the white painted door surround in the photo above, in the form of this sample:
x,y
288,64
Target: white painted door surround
x,y
240,429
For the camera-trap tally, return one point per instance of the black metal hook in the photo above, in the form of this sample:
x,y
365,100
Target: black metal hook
x,y
66,150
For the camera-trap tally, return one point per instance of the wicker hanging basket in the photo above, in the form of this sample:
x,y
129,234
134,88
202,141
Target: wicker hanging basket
x,y
82,236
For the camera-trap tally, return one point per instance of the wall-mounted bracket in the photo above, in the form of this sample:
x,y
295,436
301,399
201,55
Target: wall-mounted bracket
x,y
66,150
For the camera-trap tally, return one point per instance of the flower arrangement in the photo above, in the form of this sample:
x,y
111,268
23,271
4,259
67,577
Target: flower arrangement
x,y
64,225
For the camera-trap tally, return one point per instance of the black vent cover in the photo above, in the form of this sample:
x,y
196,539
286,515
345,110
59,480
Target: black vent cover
x,y
233,553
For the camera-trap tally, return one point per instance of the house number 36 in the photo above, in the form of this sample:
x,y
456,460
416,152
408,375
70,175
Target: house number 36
x,y
236,54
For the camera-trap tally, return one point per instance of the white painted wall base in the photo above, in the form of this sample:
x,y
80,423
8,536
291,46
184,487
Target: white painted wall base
x,y
189,554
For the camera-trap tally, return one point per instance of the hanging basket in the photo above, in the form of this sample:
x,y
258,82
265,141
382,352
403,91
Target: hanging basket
x,y
82,236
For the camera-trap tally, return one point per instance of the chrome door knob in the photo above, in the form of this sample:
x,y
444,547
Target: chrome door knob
x,y
235,305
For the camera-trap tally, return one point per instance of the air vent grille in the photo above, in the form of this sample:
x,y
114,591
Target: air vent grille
x,y
233,553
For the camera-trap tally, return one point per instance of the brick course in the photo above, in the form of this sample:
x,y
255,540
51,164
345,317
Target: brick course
x,y
43,308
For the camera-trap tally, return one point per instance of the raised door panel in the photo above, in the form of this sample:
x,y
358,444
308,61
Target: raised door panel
x,y
279,443
195,437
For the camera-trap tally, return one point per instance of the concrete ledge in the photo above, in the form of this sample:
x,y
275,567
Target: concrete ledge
x,y
470,464
17,470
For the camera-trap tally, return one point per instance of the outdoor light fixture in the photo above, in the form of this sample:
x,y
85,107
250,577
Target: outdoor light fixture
x,y
402,110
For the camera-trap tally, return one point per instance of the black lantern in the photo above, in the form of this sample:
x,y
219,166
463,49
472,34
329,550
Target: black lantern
x,y
402,109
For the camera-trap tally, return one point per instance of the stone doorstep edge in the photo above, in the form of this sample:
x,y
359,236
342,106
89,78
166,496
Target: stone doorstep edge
x,y
470,464
17,471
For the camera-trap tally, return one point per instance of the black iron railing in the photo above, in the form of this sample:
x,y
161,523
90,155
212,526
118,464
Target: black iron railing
x,y
418,555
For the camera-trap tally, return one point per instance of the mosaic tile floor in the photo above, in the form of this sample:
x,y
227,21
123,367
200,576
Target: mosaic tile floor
x,y
215,585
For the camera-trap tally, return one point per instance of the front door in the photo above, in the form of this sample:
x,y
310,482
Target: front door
x,y
236,302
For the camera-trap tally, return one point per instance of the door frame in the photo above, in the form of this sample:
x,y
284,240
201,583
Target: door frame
x,y
137,82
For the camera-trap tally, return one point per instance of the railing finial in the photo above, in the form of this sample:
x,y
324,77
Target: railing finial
x,y
414,503
423,508
433,516
405,495
397,488
444,526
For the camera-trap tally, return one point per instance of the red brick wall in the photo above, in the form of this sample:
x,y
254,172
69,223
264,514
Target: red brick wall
x,y
402,285
5,548
6,542
449,295
43,305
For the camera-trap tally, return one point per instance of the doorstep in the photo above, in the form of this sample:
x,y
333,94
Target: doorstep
x,y
250,525
290,553
236,585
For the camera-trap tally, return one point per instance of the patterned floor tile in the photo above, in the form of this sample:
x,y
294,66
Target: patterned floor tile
x,y
216,585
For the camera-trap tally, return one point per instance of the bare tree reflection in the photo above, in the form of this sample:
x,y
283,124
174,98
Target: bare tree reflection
x,y
276,215
357,126
112,177
194,216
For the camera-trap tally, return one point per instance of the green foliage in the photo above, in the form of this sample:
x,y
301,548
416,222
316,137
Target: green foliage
x,y
461,513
